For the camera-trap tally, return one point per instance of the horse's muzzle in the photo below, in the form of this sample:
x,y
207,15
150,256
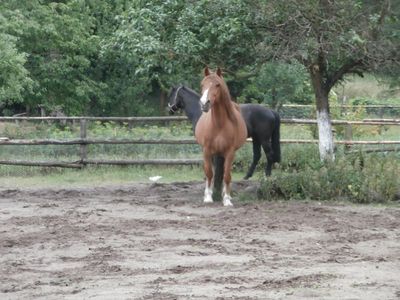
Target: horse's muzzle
x,y
172,108
206,107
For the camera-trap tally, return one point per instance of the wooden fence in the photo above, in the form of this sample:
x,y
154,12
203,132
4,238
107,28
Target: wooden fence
x,y
84,141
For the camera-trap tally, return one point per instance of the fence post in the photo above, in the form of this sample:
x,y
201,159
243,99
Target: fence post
x,y
381,112
348,135
83,146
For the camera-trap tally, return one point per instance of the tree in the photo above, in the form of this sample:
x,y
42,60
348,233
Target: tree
x,y
165,42
119,56
218,33
331,39
58,42
279,83
140,49
14,77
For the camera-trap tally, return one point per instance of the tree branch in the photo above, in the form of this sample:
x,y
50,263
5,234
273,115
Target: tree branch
x,y
383,13
347,68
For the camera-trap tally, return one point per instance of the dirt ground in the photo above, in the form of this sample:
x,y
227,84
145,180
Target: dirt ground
x,y
159,241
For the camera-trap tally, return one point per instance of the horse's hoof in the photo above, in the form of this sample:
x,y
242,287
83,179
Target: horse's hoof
x,y
227,201
208,199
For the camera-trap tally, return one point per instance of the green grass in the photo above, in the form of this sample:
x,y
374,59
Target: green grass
x,y
32,177
368,87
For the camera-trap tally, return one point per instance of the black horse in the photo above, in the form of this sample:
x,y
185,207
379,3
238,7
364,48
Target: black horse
x,y
263,124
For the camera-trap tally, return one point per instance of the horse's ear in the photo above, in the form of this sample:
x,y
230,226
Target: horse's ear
x,y
219,72
206,71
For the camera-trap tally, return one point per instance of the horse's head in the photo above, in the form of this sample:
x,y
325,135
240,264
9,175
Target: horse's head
x,y
175,101
213,89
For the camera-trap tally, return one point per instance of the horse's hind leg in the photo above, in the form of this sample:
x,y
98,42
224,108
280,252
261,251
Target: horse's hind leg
x,y
209,183
218,177
256,158
269,154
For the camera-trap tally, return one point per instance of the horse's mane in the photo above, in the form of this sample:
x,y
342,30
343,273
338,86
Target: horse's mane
x,y
190,90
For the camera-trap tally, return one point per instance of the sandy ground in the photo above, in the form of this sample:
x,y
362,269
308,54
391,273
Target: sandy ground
x,y
159,241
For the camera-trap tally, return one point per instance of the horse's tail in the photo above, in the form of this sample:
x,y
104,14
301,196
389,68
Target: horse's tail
x,y
218,163
275,139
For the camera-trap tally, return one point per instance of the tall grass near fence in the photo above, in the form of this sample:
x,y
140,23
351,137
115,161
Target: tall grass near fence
x,y
106,130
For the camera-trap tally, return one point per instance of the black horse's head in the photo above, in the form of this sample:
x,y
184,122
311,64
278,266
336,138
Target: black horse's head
x,y
175,101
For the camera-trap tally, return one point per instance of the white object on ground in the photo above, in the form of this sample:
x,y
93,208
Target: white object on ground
x,y
155,178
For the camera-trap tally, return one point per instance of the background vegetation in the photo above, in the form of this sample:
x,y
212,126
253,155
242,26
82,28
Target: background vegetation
x,y
120,57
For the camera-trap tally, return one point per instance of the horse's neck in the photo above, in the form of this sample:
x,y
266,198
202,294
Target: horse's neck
x,y
192,105
224,111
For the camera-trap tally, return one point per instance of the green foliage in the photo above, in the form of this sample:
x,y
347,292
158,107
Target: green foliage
x,y
14,77
57,38
216,33
359,178
278,84
118,57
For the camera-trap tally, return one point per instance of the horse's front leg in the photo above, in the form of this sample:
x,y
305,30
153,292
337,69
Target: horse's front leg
x,y
208,171
227,199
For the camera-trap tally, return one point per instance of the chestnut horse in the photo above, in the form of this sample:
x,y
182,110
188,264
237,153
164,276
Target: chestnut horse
x,y
220,131
263,124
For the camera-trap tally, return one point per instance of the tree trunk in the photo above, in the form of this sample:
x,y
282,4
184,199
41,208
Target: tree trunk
x,y
273,95
163,96
325,136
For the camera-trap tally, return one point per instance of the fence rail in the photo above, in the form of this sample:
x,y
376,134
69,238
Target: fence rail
x,y
344,105
83,141
81,163
167,142
183,118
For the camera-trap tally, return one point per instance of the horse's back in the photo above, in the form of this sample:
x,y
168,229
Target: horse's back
x,y
258,119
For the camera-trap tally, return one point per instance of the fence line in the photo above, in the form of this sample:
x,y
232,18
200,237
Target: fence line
x,y
183,118
101,119
344,105
83,141
166,142
81,163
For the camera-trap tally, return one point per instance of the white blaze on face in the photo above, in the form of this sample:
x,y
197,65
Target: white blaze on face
x,y
204,97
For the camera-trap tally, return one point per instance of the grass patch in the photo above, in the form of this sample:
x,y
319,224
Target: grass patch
x,y
367,86
18,177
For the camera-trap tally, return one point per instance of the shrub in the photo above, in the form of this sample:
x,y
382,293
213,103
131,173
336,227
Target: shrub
x,y
359,177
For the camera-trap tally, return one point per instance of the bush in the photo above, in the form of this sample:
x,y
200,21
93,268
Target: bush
x,y
359,178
